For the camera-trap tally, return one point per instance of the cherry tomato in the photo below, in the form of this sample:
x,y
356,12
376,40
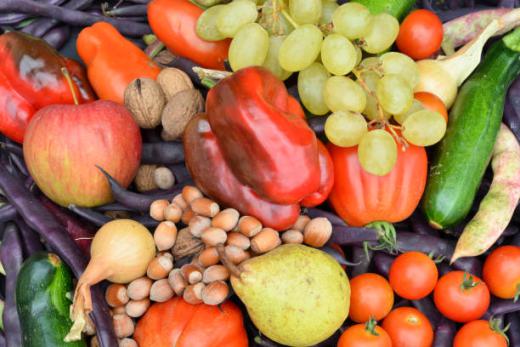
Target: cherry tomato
x,y
501,272
420,34
413,275
432,102
461,297
365,335
479,333
370,297
408,327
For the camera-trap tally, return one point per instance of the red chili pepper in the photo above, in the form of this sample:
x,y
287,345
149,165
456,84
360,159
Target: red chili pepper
x,y
267,148
31,77
361,198
211,173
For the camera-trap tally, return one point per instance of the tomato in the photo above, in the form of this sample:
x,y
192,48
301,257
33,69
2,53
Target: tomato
x,y
413,275
420,34
408,327
361,198
479,333
461,297
174,22
365,335
501,272
432,102
370,296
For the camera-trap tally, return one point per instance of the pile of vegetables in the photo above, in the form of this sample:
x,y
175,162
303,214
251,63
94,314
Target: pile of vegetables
x,y
260,173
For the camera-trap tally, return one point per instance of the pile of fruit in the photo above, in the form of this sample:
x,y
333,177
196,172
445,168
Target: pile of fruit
x,y
259,173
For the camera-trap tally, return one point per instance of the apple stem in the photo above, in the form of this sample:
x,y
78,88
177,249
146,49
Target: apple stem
x,y
65,73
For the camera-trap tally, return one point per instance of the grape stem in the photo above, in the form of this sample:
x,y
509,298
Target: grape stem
x,y
289,19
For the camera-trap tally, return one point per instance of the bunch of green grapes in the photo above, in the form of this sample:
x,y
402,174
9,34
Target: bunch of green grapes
x,y
324,43
380,93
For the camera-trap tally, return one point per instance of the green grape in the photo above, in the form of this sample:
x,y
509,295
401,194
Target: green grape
x,y
236,14
394,94
338,54
351,20
416,106
343,94
271,61
311,82
424,128
402,65
371,111
370,63
207,24
300,48
377,152
381,33
305,11
345,129
327,10
359,55
273,20
249,47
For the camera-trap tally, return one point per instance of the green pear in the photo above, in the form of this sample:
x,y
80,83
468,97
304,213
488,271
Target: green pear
x,y
295,295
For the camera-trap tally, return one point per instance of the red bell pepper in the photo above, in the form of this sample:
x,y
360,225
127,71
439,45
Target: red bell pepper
x,y
31,77
267,147
326,179
212,174
361,198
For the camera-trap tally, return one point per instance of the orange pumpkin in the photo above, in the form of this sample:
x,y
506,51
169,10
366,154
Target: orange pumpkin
x,y
177,323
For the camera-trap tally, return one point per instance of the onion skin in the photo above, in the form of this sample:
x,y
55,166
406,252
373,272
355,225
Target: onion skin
x,y
436,80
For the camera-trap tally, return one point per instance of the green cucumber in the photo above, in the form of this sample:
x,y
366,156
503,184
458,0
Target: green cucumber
x,y
463,155
43,290
397,8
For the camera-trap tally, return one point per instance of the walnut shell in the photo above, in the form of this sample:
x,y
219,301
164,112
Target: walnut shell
x,y
172,81
144,179
179,111
145,99
186,244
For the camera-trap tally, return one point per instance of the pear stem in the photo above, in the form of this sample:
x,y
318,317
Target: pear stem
x,y
65,73
233,269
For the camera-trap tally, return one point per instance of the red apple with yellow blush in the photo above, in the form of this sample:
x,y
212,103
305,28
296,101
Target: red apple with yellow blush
x,y
64,143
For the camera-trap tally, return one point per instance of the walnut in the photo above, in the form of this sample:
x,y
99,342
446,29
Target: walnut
x,y
186,244
172,81
144,179
145,99
179,111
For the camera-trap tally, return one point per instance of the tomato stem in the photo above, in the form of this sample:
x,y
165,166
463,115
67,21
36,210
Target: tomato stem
x,y
517,293
371,325
496,326
387,237
468,282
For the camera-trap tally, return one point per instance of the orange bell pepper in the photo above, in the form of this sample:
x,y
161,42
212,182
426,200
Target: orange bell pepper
x,y
112,61
174,23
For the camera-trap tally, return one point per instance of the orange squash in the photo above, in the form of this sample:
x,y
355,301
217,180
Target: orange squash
x,y
177,323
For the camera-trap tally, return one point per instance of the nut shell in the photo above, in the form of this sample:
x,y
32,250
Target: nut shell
x,y
145,100
179,111
172,81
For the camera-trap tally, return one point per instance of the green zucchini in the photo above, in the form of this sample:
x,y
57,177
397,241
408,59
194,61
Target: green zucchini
x,y
43,290
397,8
463,155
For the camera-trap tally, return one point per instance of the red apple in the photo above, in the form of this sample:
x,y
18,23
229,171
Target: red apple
x,y
64,143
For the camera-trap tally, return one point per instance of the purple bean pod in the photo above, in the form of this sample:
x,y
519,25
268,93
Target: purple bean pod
x,y
31,240
317,124
515,241
40,220
427,307
12,147
420,226
128,11
445,333
72,17
40,26
353,236
363,258
96,218
57,37
514,329
3,343
181,173
79,232
7,213
334,219
19,164
164,153
512,109
138,202
113,207
382,263
501,306
11,255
